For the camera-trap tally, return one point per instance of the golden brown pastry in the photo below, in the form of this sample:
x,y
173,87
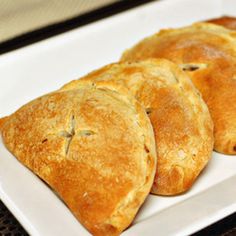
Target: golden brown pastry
x,y
181,120
207,52
226,21
94,145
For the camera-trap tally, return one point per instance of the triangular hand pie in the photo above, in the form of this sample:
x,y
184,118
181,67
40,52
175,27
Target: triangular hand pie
x,y
94,145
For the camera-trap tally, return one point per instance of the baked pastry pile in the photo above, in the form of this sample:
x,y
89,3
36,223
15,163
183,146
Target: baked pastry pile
x,y
103,142
207,53
181,121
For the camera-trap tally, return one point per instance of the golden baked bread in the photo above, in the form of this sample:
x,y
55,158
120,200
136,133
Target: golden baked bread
x,y
226,21
207,52
94,145
181,121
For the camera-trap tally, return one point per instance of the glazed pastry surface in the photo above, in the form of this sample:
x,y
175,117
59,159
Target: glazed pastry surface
x,y
94,145
207,52
226,21
180,118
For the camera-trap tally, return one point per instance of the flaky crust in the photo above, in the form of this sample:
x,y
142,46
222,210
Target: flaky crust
x,y
181,121
226,21
207,52
94,145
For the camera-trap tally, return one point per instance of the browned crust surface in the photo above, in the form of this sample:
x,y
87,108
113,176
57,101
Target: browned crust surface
x,y
207,52
2,121
181,121
226,21
94,146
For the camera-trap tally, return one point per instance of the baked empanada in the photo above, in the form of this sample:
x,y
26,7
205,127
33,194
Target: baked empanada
x,y
207,52
94,145
180,118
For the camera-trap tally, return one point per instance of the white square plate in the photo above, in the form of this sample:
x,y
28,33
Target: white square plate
x,y
45,66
